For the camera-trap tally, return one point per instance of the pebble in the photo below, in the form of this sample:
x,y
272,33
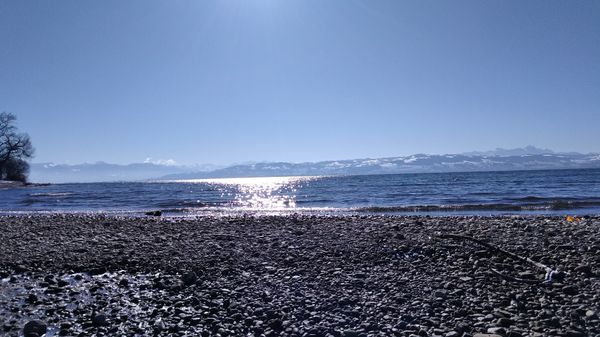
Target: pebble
x,y
497,330
189,278
504,322
99,320
34,327
313,276
570,290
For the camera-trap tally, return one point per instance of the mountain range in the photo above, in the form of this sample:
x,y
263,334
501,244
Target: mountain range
x,y
528,158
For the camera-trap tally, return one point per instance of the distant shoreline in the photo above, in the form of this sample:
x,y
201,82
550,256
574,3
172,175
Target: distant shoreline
x,y
5,184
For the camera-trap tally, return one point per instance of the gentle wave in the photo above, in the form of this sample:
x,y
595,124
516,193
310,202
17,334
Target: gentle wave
x,y
55,194
533,192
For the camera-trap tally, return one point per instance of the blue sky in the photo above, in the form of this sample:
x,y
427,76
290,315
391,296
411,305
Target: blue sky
x,y
234,81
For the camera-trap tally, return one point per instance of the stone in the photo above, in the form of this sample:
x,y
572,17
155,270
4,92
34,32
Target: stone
x,y
497,331
189,278
570,290
276,324
440,294
154,213
99,320
124,283
584,269
504,322
350,333
574,333
34,327
20,268
32,298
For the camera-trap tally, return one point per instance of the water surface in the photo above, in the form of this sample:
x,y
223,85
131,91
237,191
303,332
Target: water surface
x,y
485,193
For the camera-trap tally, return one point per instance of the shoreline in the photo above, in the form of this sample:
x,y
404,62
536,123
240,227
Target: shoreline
x,y
227,213
297,275
8,184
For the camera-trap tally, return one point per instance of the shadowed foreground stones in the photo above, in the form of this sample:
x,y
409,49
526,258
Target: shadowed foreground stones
x,y
189,278
84,275
34,328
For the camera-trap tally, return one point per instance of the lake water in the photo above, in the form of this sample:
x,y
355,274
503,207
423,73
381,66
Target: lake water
x,y
483,193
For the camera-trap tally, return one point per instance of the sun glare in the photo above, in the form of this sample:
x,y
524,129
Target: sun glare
x,y
264,193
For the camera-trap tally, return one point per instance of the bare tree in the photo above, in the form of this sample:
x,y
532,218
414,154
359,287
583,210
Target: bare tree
x,y
15,149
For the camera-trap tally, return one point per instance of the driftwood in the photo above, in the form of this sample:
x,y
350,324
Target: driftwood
x,y
550,273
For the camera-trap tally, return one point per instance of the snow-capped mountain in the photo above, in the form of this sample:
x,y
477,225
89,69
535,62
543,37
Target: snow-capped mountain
x,y
529,158
418,163
101,171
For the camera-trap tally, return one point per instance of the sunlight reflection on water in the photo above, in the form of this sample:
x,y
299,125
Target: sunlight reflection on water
x,y
265,193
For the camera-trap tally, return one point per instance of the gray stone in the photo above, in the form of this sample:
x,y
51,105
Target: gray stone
x,y
99,320
189,278
497,331
34,327
570,290
350,333
504,322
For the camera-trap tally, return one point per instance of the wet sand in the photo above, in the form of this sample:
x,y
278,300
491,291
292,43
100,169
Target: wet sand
x,y
86,275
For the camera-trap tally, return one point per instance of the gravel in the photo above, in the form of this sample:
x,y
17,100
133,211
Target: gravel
x,y
299,275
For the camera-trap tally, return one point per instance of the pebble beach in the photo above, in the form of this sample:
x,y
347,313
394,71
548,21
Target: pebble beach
x,y
298,275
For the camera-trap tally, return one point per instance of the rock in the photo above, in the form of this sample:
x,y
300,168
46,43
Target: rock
x,y
440,294
154,213
62,283
124,283
34,327
276,324
99,320
189,278
570,290
462,327
20,268
591,314
575,333
584,269
350,333
32,298
98,270
497,331
452,334
504,322
194,301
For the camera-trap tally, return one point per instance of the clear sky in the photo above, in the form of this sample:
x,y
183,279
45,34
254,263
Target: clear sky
x,y
234,81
